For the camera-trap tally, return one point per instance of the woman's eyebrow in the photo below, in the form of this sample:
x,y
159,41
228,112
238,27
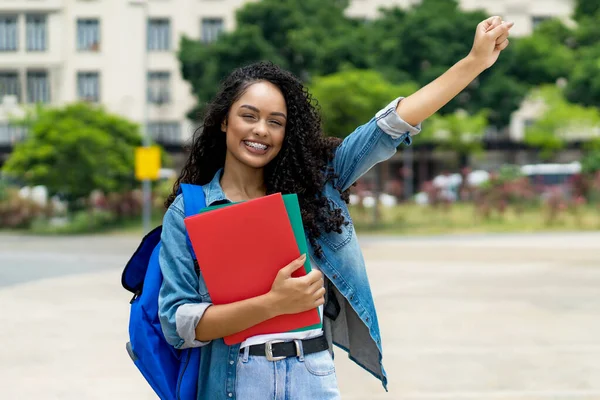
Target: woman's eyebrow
x,y
256,110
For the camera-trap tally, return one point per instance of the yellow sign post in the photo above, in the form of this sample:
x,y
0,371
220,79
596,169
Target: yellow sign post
x,y
147,163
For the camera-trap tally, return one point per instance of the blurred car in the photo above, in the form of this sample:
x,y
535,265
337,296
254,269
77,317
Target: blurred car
x,y
551,174
368,200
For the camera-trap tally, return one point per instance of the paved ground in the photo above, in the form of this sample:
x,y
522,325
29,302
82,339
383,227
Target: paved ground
x,y
493,317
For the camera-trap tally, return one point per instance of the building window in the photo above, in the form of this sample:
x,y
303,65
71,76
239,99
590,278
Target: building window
x,y
159,34
159,84
38,87
36,33
88,34
165,132
10,134
88,86
211,29
8,33
536,20
9,85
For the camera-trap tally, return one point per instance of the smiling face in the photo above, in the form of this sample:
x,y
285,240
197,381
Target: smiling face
x,y
255,126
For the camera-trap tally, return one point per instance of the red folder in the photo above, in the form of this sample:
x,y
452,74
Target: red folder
x,y
240,249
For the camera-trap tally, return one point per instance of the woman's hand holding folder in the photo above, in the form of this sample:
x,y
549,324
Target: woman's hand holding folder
x,y
288,295
295,295
255,292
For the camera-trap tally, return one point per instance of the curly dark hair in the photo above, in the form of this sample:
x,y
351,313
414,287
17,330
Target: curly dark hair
x,y
301,166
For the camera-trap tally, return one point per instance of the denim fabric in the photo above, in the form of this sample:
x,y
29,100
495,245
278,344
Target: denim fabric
x,y
309,377
356,329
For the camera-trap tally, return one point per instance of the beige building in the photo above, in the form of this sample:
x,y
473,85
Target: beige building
x,y
60,51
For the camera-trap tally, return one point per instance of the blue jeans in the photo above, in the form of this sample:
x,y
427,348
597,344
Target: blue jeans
x,y
307,377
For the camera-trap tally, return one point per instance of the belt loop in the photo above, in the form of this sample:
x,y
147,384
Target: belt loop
x,y
299,350
246,354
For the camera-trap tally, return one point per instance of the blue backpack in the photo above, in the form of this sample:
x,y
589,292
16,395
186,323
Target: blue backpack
x,y
172,373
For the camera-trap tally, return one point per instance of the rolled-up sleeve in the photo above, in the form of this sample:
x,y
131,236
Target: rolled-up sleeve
x,y
180,306
391,123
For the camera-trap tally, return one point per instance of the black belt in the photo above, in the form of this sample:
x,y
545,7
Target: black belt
x,y
278,350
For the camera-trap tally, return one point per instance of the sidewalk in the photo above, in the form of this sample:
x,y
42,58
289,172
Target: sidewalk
x,y
511,317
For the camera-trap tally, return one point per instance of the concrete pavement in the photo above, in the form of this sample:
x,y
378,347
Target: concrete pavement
x,y
493,317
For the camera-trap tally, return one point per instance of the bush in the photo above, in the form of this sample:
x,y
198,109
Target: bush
x,y
102,212
81,222
17,212
507,188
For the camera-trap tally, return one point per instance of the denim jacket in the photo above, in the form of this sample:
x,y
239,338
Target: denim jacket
x,y
183,296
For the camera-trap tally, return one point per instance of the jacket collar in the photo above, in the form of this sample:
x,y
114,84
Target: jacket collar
x,y
213,190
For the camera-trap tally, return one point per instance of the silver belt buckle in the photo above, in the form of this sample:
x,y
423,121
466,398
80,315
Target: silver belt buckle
x,y
269,350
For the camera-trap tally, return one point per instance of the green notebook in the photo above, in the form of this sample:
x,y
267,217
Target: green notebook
x,y
293,210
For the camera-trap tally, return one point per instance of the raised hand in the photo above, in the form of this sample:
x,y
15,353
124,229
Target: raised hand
x,y
491,37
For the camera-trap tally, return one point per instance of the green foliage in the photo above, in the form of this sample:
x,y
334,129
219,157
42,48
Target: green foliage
x,y
314,38
561,122
538,59
74,150
584,82
509,173
3,190
421,43
204,66
458,131
584,78
590,164
426,39
586,8
351,98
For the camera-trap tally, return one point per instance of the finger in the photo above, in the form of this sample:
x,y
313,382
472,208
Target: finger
x,y
492,22
293,266
320,296
502,38
498,31
503,45
315,286
308,279
319,302
314,276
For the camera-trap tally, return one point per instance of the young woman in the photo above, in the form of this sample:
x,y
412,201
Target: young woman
x,y
262,135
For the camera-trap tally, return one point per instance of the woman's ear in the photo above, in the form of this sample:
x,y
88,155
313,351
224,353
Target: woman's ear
x,y
224,125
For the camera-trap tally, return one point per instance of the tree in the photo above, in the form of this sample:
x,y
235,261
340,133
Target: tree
x,y
75,150
545,56
586,8
351,98
300,30
561,122
458,132
584,83
205,65
315,38
306,37
590,164
422,42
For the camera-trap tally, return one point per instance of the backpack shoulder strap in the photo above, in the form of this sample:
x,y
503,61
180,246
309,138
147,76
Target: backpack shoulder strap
x,y
193,198
193,202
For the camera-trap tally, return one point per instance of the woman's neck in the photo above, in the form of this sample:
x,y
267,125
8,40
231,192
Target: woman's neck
x,y
241,184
